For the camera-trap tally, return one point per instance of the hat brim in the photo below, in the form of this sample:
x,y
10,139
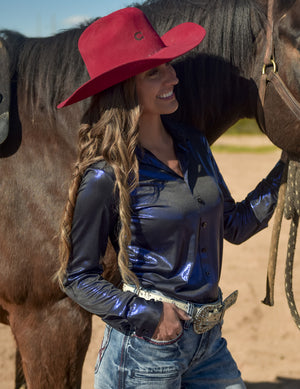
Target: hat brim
x,y
178,41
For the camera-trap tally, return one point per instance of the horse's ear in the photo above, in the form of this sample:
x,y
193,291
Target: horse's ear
x,y
4,91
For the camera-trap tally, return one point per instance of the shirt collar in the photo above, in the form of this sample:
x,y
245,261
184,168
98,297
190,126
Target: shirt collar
x,y
180,145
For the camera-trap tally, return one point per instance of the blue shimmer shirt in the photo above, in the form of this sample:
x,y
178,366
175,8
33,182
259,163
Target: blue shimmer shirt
x,y
178,225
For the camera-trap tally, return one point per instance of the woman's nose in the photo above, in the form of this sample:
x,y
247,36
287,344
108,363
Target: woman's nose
x,y
171,75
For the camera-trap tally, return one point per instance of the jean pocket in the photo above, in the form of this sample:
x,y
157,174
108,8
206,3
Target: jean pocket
x,y
164,377
162,342
103,347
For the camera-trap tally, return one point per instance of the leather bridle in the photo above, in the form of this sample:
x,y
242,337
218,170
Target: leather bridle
x,y
269,72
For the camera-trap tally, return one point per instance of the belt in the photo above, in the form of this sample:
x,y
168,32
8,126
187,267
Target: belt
x,y
204,317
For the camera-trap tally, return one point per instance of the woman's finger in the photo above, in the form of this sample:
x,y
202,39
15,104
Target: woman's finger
x,y
182,314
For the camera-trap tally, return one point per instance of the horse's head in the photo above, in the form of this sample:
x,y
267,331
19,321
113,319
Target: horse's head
x,y
279,105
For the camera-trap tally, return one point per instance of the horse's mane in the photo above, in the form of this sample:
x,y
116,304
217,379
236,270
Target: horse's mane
x,y
232,25
55,63
47,68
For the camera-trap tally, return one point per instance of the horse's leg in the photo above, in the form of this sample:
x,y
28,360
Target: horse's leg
x,y
19,376
20,382
53,341
3,316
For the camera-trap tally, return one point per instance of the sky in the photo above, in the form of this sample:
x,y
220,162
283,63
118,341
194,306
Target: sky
x,y
35,18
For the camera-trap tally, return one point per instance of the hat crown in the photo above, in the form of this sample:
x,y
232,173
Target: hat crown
x,y
119,38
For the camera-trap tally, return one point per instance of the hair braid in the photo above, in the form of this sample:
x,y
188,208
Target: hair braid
x,y
110,132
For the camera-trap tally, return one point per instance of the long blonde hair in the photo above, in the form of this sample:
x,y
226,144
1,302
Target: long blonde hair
x,y
109,131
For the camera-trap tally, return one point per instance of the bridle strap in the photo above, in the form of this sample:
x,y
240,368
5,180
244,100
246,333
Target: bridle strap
x,y
273,76
269,34
269,52
285,94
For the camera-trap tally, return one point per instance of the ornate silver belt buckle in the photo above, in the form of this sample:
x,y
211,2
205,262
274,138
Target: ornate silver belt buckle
x,y
206,317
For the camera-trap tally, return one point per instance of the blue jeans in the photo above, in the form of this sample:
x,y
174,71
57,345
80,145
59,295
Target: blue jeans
x,y
190,361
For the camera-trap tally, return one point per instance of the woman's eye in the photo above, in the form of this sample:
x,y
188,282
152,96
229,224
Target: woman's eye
x,y
152,72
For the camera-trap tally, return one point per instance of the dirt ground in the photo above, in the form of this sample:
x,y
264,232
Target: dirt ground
x,y
264,340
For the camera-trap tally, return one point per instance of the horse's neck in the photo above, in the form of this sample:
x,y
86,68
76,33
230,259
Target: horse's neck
x,y
239,102
213,95
220,83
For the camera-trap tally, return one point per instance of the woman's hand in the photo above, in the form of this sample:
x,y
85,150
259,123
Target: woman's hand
x,y
169,326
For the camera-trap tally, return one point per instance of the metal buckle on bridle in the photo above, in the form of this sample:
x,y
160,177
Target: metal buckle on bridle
x,y
271,63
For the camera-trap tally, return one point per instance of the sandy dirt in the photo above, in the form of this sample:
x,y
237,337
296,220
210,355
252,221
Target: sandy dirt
x,y
264,340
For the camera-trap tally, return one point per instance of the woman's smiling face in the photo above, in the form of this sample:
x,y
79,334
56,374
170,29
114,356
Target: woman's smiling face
x,y
155,90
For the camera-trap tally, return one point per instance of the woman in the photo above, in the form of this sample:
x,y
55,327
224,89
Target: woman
x,y
153,189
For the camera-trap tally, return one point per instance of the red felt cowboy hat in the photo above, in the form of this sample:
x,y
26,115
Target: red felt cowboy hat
x,y
123,44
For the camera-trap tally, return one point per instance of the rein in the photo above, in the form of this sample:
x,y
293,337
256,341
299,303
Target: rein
x,y
288,197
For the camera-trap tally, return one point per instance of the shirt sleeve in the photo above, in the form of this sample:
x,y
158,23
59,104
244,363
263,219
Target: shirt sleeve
x,y
94,222
244,219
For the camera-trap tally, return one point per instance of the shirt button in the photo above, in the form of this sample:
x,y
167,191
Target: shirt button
x,y
204,250
204,225
207,273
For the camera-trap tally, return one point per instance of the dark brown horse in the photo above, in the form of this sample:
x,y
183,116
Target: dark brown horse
x,y
219,84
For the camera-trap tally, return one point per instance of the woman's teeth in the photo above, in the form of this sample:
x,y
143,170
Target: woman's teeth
x,y
166,95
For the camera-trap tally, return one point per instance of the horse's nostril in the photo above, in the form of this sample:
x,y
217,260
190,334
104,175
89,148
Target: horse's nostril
x,y
1,98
